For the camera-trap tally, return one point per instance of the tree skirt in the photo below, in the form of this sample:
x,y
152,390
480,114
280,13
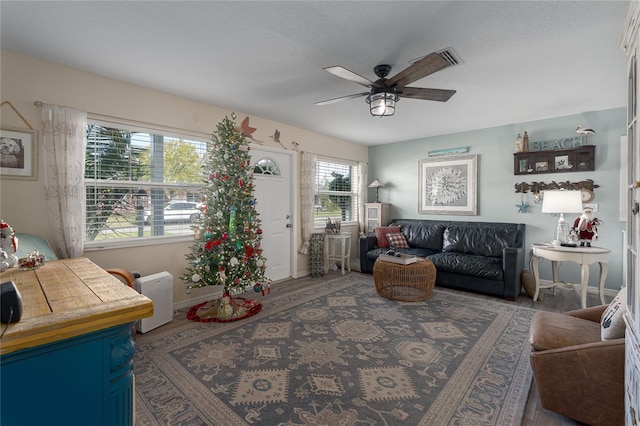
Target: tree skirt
x,y
225,309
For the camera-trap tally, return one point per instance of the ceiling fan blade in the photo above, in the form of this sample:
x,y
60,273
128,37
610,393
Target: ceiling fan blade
x,y
342,98
350,75
425,66
440,95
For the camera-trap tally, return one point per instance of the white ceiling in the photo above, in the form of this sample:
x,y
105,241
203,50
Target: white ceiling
x,y
521,60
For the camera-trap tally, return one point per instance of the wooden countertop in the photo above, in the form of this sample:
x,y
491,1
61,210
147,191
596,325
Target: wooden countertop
x,y
67,298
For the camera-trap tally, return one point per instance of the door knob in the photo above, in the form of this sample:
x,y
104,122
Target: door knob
x,y
288,225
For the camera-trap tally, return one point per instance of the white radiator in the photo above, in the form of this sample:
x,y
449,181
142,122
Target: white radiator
x,y
159,288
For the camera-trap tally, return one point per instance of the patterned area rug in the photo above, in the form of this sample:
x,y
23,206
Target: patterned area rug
x,y
338,354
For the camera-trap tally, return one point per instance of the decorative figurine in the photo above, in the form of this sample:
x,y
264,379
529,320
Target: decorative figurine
x,y
587,227
9,243
573,237
519,143
4,264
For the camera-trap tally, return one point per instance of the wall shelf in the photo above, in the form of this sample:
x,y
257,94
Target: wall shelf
x,y
580,159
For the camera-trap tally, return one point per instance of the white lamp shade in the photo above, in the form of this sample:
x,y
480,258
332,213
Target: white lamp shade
x,y
559,201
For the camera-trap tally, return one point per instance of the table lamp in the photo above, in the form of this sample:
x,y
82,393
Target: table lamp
x,y
377,185
561,201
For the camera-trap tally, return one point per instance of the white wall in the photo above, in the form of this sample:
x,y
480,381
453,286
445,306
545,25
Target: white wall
x,y
397,166
22,202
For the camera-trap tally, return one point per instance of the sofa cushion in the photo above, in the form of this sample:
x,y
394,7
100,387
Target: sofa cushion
x,y
397,240
381,234
481,241
467,264
551,330
612,321
423,236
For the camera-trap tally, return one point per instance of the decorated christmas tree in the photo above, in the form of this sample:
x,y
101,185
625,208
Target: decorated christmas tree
x,y
227,234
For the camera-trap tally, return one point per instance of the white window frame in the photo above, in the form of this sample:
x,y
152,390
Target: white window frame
x,y
355,194
92,245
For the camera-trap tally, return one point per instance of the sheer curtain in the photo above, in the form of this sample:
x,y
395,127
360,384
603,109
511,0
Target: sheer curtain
x,y
307,195
64,142
363,189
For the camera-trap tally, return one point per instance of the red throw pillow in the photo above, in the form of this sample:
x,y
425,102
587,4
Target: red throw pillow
x,y
397,241
381,234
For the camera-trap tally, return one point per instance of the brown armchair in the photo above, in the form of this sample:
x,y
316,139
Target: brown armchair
x,y
577,374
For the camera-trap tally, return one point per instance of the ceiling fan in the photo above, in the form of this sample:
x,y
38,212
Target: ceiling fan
x,y
385,92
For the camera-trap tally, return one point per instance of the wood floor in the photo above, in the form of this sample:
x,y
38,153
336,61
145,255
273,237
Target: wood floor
x,y
564,300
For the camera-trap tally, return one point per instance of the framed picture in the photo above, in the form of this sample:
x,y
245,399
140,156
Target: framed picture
x,y
448,185
562,162
542,166
18,154
524,165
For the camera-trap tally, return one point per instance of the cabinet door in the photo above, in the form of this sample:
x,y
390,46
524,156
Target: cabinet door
x,y
373,212
584,159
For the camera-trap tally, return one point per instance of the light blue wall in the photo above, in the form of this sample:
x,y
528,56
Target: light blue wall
x,y
396,165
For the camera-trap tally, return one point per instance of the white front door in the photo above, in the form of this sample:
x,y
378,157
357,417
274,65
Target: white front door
x,y
272,180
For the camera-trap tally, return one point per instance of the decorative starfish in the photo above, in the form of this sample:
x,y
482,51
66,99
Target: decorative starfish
x,y
522,207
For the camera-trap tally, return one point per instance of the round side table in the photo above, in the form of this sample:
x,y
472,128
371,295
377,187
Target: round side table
x,y
408,283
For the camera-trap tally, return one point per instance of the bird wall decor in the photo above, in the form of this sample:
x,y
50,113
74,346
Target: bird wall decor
x,y
276,139
585,131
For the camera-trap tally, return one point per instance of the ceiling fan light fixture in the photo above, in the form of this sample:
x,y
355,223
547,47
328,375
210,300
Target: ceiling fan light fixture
x,y
382,104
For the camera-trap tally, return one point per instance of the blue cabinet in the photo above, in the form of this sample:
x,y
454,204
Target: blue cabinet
x,y
69,360
85,380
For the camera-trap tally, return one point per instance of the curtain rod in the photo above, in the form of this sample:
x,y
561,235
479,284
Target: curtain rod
x,y
150,126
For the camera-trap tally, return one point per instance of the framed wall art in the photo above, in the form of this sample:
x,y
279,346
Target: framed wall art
x,y
18,154
448,185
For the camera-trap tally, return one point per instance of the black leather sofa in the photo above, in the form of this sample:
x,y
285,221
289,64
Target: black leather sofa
x,y
483,257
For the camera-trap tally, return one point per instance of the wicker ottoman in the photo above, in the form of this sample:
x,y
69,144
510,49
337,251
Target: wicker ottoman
x,y
408,283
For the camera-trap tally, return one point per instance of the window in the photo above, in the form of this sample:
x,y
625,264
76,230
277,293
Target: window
x,y
266,166
140,184
336,191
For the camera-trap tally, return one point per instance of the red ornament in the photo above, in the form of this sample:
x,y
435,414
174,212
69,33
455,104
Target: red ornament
x,y
259,231
249,251
225,236
237,281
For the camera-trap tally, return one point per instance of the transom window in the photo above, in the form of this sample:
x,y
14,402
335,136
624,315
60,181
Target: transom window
x,y
266,166
140,184
336,194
